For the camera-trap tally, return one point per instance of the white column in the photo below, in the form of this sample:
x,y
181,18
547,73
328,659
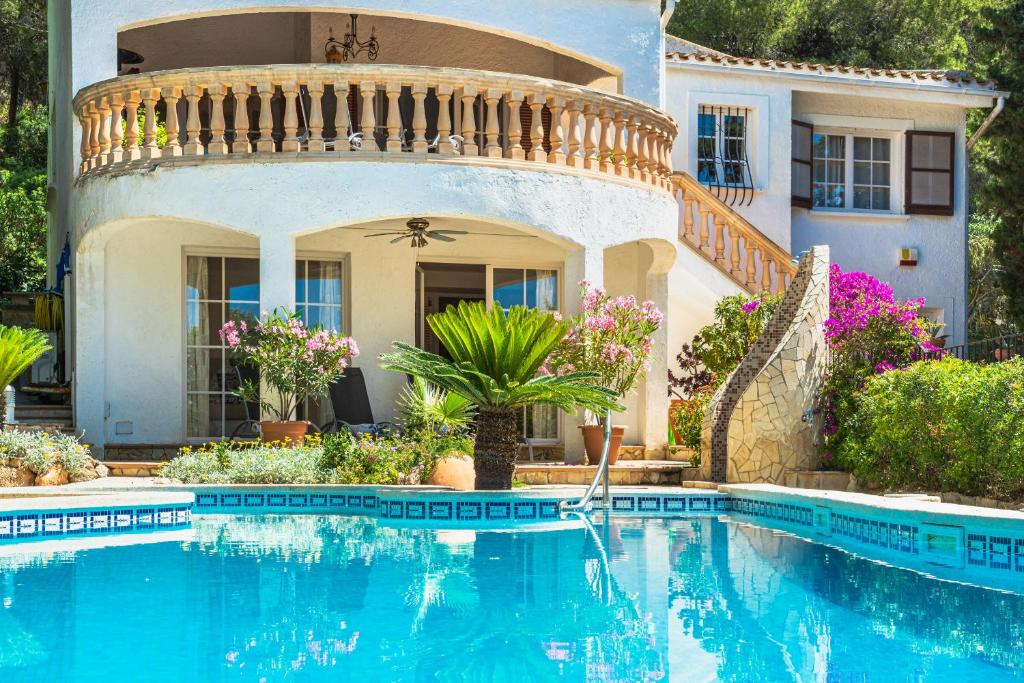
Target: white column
x,y
586,264
655,395
89,390
277,278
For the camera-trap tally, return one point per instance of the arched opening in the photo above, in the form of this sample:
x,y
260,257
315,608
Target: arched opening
x,y
276,37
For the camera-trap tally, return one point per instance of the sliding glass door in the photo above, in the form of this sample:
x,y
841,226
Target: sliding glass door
x,y
535,288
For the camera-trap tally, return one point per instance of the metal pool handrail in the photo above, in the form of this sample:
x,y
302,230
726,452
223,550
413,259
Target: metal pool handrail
x,y
602,473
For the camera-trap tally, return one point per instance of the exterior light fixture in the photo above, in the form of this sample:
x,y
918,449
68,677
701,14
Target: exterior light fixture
x,y
337,51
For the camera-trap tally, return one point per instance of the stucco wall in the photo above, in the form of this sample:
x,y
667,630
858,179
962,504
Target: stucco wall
x,y
133,229
871,244
624,35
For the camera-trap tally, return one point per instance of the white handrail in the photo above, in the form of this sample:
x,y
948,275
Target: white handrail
x,y
584,504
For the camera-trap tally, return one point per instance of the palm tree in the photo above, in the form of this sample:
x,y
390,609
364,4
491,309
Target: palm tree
x,y
19,348
495,363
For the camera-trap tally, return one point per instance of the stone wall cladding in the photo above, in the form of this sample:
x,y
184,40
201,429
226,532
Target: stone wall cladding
x,y
756,429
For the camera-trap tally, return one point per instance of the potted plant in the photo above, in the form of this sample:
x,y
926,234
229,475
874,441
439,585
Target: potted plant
x,y
612,338
495,363
295,362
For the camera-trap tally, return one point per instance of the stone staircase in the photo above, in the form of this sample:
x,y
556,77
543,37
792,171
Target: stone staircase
x,y
57,417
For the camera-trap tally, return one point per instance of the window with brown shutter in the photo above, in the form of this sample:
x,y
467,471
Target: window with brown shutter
x,y
803,143
929,178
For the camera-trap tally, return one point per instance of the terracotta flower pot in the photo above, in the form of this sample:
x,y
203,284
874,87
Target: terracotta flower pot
x,y
289,432
593,442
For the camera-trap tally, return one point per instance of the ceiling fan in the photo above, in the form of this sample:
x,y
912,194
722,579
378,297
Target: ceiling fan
x,y
418,231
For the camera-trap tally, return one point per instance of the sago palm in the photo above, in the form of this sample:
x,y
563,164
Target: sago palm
x,y
495,363
19,348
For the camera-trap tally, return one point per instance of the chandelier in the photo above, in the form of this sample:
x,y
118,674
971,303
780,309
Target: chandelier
x,y
351,46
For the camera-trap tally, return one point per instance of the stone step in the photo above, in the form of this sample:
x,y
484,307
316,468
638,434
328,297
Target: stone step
x,y
36,409
133,469
624,472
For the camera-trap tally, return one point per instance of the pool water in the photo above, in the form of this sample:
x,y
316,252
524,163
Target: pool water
x,y
311,598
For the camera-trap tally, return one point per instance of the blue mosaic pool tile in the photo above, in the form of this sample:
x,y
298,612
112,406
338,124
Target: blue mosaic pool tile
x,y
253,500
204,500
122,520
318,500
355,501
76,522
6,527
498,510
547,509
524,510
277,500
1018,554
337,500
144,518
440,510
976,550
648,503
416,509
785,512
623,504
700,504
231,500
370,502
999,549
674,504
53,524
469,511
298,500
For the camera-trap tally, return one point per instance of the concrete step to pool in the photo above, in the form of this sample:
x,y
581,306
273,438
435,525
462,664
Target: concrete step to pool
x,y
133,469
625,472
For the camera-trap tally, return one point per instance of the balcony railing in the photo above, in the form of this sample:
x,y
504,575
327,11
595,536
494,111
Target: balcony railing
x,y
386,110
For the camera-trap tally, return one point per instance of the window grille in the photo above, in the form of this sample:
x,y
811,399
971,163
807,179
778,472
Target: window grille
x,y
723,160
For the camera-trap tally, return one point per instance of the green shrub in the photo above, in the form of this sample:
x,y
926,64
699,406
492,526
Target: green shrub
x,y
943,425
322,459
41,450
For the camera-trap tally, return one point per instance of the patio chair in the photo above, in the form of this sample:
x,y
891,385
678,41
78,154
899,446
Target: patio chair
x,y
351,406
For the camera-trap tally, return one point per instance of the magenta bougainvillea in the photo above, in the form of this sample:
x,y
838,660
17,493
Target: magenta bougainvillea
x,y
869,332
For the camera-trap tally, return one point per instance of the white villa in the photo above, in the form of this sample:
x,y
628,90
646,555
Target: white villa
x,y
567,140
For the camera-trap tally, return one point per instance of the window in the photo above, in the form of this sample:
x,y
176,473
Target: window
x,y
851,172
536,289
722,159
216,289
219,288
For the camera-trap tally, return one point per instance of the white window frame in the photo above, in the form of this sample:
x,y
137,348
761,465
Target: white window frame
x,y
896,153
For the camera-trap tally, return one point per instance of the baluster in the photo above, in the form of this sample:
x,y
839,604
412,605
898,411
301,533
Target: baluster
x,y
368,120
94,134
780,277
643,158
265,143
751,264
515,126
217,145
492,129
469,146
537,153
651,153
666,153
575,158
315,124
171,96
240,145
394,118
719,239
290,143
419,118
734,249
341,118
192,145
116,137
605,161
632,147
591,138
688,203
150,96
619,150
766,273
556,136
131,141
86,150
704,234
444,118
104,127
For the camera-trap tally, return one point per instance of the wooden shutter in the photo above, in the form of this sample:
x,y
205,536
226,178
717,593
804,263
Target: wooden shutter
x,y
803,164
929,176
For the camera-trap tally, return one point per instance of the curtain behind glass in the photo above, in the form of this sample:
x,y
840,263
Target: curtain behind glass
x,y
198,360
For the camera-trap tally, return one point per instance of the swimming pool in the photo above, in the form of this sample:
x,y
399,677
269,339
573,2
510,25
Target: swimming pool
x,y
315,597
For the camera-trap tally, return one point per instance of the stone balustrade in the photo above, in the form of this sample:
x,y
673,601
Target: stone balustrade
x,y
260,111
729,241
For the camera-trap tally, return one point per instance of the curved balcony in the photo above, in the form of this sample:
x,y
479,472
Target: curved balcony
x,y
429,114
